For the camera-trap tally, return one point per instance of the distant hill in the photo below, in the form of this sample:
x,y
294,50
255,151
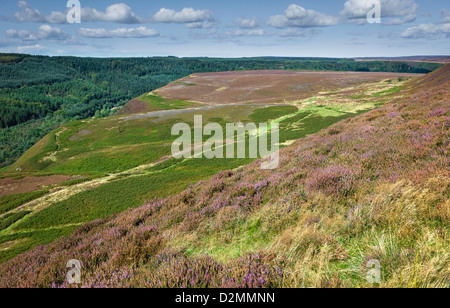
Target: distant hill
x,y
429,59
373,187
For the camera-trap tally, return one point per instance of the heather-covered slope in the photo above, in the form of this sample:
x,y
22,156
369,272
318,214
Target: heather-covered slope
x,y
371,187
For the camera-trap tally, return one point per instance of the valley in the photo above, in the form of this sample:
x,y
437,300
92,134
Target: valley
x,y
364,175
232,152
119,162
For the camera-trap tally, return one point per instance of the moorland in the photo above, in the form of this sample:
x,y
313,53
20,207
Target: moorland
x,y
363,175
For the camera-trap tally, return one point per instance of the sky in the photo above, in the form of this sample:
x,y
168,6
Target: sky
x,y
233,28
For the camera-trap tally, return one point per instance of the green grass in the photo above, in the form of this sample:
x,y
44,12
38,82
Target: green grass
x,y
264,115
247,236
157,102
310,121
165,165
109,145
389,91
185,83
100,146
11,202
16,176
81,180
117,196
25,241
11,218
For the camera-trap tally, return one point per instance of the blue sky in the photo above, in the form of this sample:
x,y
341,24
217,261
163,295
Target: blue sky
x,y
303,28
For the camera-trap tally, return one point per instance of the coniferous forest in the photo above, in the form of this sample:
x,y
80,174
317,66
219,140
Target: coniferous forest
x,y
39,93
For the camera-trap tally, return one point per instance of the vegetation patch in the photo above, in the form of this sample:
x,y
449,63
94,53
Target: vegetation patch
x,y
11,202
157,102
9,219
265,115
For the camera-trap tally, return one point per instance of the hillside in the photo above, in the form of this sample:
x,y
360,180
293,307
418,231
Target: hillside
x,y
87,146
429,59
38,93
374,186
100,167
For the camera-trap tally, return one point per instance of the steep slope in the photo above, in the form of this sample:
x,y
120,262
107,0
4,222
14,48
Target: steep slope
x,y
371,187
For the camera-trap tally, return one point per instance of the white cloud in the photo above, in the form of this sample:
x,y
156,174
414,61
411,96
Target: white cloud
x,y
428,31
296,32
185,16
445,15
29,14
246,23
21,34
25,49
232,36
431,31
140,32
211,34
45,32
117,13
400,21
404,11
297,16
255,32
200,25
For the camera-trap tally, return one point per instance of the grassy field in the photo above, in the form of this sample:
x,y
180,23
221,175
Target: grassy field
x,y
11,202
109,152
156,102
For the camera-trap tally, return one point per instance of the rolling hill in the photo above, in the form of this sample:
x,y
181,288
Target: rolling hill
x,y
370,185
100,167
40,93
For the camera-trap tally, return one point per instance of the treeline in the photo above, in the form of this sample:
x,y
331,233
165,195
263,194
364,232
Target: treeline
x,y
14,141
39,93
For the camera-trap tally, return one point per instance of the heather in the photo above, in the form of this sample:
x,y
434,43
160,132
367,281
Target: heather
x,y
371,187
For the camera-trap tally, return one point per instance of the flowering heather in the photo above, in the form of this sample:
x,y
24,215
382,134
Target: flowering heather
x,y
371,187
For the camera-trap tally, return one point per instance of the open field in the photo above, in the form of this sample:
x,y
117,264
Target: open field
x,y
264,87
125,159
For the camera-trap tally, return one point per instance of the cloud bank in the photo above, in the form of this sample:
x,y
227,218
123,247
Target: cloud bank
x,y
140,32
116,13
398,12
